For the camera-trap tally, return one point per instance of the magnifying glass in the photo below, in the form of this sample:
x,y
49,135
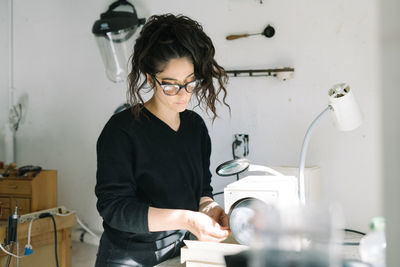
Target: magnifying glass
x,y
233,167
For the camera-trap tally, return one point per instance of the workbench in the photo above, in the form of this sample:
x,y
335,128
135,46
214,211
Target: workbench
x,y
348,252
42,241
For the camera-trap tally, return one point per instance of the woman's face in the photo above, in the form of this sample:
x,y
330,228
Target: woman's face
x,y
177,71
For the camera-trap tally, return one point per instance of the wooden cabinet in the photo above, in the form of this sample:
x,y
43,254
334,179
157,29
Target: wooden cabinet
x,y
30,193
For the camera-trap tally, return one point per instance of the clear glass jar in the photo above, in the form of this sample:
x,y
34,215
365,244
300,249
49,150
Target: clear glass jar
x,y
373,245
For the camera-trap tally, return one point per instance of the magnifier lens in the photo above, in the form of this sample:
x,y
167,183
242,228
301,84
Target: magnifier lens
x,y
233,167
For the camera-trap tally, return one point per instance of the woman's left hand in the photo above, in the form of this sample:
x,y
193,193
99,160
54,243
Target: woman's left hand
x,y
212,209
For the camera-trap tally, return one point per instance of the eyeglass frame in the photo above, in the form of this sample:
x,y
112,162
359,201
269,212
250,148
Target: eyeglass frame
x,y
180,86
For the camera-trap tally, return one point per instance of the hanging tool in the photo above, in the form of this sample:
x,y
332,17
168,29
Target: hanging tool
x,y
280,73
268,32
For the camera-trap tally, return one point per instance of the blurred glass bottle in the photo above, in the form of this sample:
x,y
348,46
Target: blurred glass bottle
x,y
373,245
297,236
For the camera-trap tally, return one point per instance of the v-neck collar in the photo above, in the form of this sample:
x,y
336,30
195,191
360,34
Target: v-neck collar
x,y
164,123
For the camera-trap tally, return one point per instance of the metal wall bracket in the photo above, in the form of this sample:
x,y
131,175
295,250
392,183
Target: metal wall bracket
x,y
280,73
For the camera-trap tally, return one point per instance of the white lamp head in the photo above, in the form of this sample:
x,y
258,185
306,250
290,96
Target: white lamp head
x,y
346,111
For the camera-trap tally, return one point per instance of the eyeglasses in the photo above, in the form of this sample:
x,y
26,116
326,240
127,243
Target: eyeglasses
x,y
173,89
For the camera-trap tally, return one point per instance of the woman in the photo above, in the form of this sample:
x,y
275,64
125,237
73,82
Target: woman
x,y
153,179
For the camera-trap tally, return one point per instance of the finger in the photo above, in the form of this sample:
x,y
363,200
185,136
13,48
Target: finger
x,y
211,239
224,221
221,228
226,228
217,215
219,232
221,239
216,238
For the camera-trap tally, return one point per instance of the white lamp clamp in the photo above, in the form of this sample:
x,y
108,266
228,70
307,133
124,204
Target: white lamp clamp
x,y
347,117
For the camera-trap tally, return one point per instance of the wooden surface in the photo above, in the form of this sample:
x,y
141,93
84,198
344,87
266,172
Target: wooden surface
x,y
42,241
10,186
30,193
44,190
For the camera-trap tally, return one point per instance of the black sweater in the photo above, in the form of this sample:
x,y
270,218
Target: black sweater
x,y
146,163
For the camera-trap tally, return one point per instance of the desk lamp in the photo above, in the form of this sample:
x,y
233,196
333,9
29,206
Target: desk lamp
x,y
347,117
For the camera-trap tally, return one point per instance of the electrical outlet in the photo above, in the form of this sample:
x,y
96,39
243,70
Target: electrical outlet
x,y
34,215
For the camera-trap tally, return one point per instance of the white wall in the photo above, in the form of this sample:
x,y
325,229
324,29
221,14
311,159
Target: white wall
x,y
391,117
70,99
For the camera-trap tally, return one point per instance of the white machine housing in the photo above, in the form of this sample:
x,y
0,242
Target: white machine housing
x,y
269,189
282,187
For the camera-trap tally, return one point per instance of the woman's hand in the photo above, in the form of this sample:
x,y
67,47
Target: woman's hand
x,y
212,209
205,228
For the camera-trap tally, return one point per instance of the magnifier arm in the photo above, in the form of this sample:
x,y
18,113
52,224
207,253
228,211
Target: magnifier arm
x,y
260,168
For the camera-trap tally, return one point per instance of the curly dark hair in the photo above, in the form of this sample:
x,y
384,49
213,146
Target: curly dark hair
x,y
166,37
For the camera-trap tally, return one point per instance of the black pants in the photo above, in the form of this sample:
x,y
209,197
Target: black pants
x,y
136,254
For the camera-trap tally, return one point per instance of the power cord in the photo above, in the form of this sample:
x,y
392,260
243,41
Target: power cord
x,y
45,215
86,228
9,253
355,232
28,247
9,256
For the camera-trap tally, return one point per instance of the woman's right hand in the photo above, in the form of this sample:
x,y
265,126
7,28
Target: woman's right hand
x,y
205,228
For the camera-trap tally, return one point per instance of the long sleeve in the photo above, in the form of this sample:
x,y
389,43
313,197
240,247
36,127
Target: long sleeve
x,y
207,188
116,185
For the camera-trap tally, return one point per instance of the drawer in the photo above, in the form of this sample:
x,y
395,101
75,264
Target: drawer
x,y
4,213
24,205
5,202
15,187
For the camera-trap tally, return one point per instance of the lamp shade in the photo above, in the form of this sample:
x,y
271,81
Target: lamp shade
x,y
346,111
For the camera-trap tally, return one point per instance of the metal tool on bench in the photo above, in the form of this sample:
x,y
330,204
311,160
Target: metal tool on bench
x,y
8,169
25,170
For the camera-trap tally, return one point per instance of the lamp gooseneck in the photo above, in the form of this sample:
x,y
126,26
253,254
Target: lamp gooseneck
x,y
301,181
347,115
